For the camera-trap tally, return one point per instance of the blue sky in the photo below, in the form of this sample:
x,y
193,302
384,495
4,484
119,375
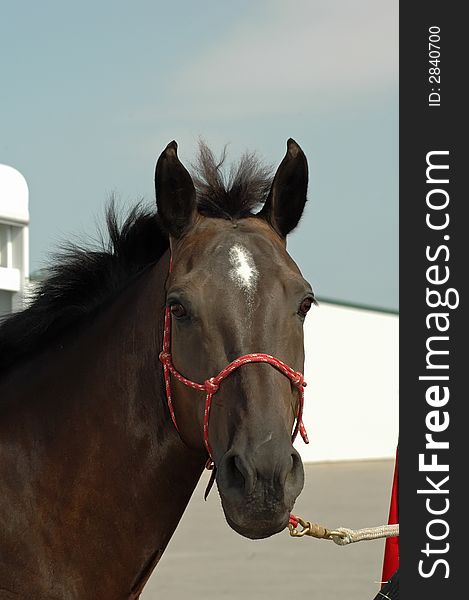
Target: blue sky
x,y
93,91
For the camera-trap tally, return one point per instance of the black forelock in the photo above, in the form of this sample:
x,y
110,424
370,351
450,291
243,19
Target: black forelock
x,y
234,194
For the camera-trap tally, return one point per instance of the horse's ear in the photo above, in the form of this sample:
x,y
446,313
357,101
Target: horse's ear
x,y
287,197
175,192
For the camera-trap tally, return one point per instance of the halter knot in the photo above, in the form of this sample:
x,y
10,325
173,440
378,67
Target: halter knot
x,y
211,386
164,357
299,380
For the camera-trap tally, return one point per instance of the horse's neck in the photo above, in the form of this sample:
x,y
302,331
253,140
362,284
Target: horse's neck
x,y
114,475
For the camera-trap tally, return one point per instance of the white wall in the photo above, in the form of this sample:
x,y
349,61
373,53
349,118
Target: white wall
x,y
351,400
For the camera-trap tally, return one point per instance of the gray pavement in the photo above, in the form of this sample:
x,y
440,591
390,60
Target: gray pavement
x,y
207,560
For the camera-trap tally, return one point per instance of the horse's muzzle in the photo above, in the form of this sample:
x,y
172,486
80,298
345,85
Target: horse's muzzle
x,y
258,492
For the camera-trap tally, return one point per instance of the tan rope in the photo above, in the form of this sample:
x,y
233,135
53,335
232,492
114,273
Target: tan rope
x,y
343,536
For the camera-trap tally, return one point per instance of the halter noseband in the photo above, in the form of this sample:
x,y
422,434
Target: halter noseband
x,y
211,385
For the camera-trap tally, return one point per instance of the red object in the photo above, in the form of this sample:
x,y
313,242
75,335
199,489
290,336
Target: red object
x,y
293,521
391,550
211,385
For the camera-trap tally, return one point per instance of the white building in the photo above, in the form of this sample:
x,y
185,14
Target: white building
x,y
14,239
351,407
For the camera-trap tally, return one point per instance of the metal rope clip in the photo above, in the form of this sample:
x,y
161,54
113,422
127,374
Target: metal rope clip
x,y
312,529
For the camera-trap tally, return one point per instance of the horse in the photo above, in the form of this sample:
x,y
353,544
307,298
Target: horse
x,y
104,433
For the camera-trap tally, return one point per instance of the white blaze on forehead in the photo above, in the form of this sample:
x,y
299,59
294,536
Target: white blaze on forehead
x,y
243,271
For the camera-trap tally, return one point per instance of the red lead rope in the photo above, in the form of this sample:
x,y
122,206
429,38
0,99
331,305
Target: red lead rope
x,y
211,385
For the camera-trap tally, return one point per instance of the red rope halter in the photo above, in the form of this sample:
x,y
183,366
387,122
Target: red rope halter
x,y
211,385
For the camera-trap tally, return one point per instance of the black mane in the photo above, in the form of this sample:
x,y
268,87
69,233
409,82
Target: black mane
x,y
81,279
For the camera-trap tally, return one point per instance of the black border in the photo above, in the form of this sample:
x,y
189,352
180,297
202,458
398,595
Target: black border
x,y
424,128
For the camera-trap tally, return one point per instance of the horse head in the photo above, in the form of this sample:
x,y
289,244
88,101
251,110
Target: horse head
x,y
234,290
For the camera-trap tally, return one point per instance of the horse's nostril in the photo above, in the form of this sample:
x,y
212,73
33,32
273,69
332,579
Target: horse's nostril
x,y
295,461
294,476
239,464
236,473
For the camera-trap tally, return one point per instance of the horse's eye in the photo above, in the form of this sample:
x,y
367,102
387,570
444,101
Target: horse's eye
x,y
178,310
305,306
